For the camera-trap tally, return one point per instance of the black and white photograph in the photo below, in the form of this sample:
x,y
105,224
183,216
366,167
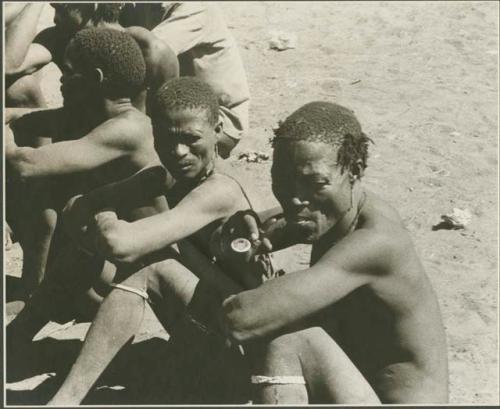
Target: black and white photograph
x,y
250,203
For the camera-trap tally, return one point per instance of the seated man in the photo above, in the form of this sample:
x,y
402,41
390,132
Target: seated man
x,y
50,44
186,128
365,286
197,33
99,136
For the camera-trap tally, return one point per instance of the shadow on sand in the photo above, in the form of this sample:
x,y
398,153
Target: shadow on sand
x,y
186,369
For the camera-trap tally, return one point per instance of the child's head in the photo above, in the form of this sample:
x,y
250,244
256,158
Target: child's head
x,y
102,63
186,127
320,152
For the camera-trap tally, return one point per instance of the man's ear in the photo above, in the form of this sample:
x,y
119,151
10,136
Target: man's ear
x,y
358,170
98,75
219,127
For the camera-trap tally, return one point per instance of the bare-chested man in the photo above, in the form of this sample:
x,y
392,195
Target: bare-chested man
x,y
99,136
186,127
362,324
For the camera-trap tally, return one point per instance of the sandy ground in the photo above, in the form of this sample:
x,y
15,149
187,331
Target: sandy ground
x,y
422,78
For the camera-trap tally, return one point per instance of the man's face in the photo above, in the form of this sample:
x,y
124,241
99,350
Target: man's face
x,y
67,19
185,141
76,87
309,186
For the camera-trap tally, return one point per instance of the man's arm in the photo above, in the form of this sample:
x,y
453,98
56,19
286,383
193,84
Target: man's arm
x,y
353,262
161,61
267,231
184,29
19,35
124,242
32,127
135,190
111,140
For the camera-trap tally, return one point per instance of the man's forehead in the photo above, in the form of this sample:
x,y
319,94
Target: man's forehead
x,y
303,150
171,115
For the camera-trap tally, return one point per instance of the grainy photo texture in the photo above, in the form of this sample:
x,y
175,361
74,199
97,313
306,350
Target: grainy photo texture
x,y
246,203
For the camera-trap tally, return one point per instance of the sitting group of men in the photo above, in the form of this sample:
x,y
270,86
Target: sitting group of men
x,y
117,202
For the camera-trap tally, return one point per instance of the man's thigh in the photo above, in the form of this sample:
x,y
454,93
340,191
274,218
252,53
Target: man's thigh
x,y
177,294
332,377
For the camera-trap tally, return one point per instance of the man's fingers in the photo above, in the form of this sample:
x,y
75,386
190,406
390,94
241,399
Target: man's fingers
x,y
105,218
253,228
267,244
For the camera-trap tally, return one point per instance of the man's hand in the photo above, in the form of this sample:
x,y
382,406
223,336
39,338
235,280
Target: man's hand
x,y
112,236
243,224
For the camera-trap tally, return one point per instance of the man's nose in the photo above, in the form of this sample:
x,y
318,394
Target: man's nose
x,y
180,150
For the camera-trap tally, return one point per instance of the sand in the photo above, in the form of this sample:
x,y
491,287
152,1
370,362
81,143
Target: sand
x,y
422,78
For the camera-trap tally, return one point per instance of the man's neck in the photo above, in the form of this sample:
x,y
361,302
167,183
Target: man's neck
x,y
115,107
98,112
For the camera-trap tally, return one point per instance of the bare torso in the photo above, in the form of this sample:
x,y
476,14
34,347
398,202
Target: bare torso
x,y
391,328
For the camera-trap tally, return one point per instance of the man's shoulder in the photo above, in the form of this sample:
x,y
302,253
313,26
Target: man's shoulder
x,y
130,128
140,34
227,190
132,122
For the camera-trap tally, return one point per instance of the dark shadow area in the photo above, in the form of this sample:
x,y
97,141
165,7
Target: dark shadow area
x,y
45,356
191,368
13,289
445,225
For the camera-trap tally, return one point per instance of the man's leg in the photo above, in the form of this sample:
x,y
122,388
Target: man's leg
x,y
235,124
174,291
277,376
36,245
329,374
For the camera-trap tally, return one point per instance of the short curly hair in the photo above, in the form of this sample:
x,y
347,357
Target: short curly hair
x,y
186,93
329,123
117,54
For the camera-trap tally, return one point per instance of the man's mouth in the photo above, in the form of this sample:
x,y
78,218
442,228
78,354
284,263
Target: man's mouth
x,y
184,166
301,221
